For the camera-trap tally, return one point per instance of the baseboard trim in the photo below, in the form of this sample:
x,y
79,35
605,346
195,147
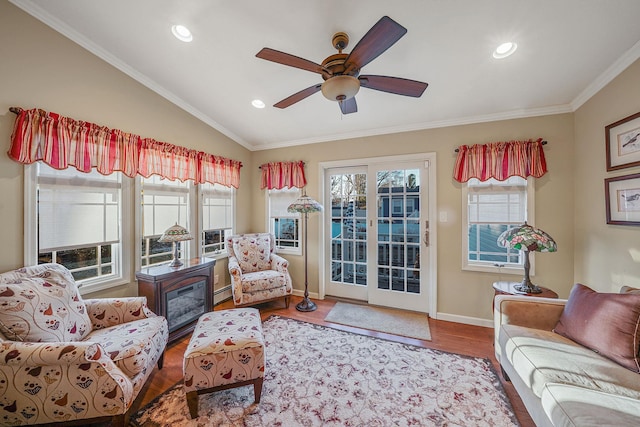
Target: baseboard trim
x,y
300,293
465,319
223,294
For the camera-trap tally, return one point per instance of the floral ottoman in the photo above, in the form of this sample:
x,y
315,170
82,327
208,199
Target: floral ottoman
x,y
226,350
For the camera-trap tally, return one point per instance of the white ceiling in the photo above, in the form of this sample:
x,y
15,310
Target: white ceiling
x,y
567,50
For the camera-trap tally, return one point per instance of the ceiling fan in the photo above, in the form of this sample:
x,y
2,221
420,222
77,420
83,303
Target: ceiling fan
x,y
341,72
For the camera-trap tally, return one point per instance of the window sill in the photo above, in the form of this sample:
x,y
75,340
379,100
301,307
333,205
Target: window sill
x,y
216,256
492,269
287,252
89,288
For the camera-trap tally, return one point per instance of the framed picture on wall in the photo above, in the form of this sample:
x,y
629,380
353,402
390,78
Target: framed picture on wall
x,y
622,198
623,143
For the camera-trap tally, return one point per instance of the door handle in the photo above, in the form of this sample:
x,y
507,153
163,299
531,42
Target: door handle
x,y
426,233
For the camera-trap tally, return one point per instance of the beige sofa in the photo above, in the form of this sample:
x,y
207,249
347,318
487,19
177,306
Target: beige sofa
x,y
560,382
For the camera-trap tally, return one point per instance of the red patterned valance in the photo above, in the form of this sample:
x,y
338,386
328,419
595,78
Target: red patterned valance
x,y
277,175
500,160
62,142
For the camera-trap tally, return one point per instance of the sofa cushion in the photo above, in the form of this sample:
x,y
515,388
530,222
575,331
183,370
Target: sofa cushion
x,y
606,323
253,252
131,345
42,304
540,357
570,406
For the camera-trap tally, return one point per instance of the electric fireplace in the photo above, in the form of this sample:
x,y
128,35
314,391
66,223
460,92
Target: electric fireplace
x,y
184,305
180,294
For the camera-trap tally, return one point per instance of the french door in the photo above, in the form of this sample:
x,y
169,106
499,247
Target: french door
x,y
377,234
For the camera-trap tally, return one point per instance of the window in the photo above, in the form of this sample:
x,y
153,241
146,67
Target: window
x,y
284,225
77,219
216,211
492,208
164,203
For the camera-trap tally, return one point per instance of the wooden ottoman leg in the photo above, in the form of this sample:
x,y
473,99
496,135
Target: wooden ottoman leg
x,y
257,389
192,403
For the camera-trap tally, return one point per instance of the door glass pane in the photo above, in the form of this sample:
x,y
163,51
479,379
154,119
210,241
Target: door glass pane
x,y
349,228
399,230
361,274
383,278
397,256
413,231
336,272
348,276
384,232
397,279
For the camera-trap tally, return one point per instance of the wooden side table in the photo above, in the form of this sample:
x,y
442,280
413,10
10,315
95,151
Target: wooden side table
x,y
508,288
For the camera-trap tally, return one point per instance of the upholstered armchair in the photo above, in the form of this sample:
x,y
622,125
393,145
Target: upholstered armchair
x,y
257,273
64,359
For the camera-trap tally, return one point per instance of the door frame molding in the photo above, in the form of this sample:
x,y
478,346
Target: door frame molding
x,y
429,158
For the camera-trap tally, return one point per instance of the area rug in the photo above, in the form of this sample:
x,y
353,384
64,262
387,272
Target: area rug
x,y
391,321
319,376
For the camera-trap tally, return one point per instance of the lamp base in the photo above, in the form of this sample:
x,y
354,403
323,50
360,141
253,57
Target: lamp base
x,y
176,256
175,263
527,288
306,305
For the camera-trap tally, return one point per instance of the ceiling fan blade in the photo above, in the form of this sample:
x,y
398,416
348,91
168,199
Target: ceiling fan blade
x,y
348,106
298,96
379,38
292,61
394,85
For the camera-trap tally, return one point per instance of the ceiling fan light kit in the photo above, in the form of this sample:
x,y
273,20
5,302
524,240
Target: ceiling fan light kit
x,y
341,71
340,88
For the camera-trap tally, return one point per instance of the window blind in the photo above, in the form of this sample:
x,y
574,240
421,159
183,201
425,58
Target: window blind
x,y
165,203
77,209
217,207
279,201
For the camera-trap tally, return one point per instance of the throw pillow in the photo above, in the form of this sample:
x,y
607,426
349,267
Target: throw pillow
x,y
253,252
42,304
607,323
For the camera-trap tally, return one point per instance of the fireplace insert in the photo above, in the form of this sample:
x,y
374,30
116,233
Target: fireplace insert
x,y
185,304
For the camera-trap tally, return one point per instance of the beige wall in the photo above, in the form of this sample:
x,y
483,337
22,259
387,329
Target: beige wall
x,y
607,256
460,293
41,68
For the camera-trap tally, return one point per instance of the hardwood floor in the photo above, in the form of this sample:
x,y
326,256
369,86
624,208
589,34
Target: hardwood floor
x,y
447,336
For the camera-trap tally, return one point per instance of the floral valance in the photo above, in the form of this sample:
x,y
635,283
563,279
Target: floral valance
x,y
62,142
277,175
500,160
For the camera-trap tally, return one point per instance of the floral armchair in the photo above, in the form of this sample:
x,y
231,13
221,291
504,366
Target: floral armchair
x,y
257,273
64,359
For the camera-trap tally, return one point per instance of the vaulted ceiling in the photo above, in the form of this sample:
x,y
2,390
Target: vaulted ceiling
x,y
567,51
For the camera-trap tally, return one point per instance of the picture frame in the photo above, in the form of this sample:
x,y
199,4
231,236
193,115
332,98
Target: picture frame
x,y
623,143
622,199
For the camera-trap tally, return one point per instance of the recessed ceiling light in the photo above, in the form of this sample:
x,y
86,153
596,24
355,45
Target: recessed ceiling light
x,y
257,103
182,33
504,50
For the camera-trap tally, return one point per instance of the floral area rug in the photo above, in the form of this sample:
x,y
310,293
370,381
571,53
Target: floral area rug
x,y
318,376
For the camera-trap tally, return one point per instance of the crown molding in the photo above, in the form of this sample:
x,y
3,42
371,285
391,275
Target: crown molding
x,y
508,115
621,64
